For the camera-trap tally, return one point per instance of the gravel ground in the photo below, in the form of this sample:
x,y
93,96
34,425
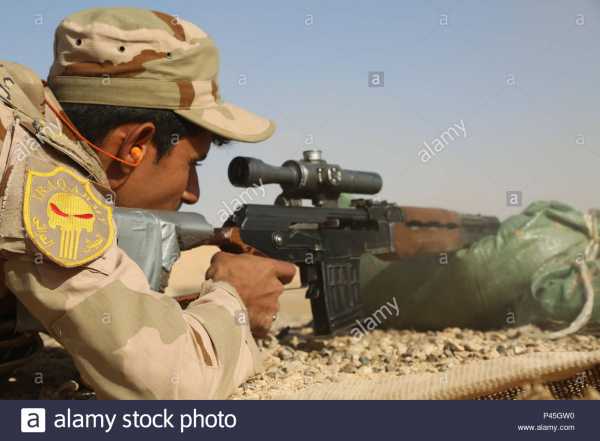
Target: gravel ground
x,y
295,359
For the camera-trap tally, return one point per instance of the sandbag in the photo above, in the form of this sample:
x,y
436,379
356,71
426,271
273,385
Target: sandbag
x,y
527,273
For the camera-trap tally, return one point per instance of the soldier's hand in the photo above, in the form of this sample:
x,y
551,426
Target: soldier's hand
x,y
259,282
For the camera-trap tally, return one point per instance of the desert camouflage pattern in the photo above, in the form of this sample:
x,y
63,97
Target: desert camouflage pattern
x,y
127,341
141,58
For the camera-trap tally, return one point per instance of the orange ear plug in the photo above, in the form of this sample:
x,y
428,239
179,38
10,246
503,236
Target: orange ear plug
x,y
136,153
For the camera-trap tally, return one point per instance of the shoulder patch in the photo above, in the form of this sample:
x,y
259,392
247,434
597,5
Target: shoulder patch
x,y
65,217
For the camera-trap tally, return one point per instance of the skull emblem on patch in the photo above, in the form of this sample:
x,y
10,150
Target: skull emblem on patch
x,y
65,217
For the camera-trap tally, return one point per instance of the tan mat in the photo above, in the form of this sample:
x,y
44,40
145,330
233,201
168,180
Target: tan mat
x,y
566,375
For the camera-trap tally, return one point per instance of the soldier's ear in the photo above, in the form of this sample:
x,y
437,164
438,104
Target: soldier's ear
x,y
134,146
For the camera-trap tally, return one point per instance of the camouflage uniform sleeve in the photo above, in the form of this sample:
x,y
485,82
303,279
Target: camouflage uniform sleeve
x,y
129,342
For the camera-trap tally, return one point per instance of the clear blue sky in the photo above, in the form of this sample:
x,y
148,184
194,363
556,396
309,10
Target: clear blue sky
x,y
522,76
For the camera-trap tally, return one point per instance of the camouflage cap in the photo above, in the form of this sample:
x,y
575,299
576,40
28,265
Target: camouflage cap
x,y
141,58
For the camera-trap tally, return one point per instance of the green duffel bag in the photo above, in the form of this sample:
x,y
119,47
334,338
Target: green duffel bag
x,y
530,272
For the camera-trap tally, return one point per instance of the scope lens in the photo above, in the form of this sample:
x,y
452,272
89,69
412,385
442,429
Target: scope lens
x,y
238,171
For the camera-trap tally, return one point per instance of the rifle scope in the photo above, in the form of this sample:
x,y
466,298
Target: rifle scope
x,y
309,178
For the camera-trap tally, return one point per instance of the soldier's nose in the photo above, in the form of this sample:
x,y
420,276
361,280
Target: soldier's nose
x,y
191,194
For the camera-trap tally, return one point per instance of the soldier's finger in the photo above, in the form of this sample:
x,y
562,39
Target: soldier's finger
x,y
210,273
284,271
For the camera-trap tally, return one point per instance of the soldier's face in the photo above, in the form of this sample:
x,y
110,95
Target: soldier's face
x,y
170,182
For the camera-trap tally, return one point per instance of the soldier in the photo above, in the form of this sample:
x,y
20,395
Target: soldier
x,y
142,89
